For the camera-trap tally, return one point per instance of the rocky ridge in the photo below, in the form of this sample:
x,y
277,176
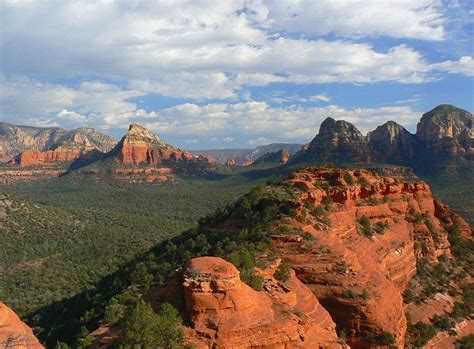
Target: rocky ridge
x,y
141,156
16,139
444,132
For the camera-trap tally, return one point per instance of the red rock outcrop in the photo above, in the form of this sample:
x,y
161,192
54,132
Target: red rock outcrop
x,y
226,313
140,146
14,333
360,278
231,162
144,157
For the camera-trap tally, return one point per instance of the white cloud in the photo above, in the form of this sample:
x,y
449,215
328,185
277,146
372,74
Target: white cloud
x,y
107,107
421,19
206,50
101,105
321,97
465,65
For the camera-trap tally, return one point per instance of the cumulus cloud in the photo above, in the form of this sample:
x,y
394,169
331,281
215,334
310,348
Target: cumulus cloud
x,y
209,50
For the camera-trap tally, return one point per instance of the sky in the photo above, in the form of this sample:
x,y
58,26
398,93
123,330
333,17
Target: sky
x,y
232,74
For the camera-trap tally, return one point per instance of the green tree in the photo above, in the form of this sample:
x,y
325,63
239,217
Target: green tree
x,y
283,271
143,328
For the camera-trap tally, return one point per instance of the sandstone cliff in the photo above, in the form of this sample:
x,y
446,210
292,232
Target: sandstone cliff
x,y
142,156
14,333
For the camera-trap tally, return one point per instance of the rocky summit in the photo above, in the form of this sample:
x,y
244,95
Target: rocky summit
x,y
14,333
141,156
447,131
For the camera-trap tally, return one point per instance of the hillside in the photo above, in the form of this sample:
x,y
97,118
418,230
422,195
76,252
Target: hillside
x,y
358,241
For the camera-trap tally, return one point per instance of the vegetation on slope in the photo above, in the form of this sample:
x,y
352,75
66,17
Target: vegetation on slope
x,y
66,236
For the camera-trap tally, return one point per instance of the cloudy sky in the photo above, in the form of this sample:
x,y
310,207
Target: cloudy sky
x,y
205,74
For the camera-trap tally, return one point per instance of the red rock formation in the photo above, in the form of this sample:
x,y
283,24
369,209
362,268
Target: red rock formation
x,y
226,313
31,158
360,279
140,146
231,162
22,175
14,333
143,156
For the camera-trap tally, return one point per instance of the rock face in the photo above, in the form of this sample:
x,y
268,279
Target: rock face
x,y
142,156
280,157
338,140
359,276
14,333
392,143
141,147
31,158
15,139
226,313
446,131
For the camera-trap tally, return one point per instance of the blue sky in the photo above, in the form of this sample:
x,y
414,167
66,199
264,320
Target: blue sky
x,y
205,74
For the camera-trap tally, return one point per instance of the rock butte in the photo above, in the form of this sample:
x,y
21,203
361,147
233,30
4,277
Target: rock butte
x,y
156,160
14,333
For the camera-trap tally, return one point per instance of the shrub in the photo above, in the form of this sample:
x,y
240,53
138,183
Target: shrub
x,y
365,227
283,271
466,342
380,227
327,201
114,311
384,338
349,294
307,236
422,333
348,178
342,336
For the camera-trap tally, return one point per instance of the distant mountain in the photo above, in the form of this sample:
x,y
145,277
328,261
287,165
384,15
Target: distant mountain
x,y
446,132
247,156
278,157
392,143
61,145
337,140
